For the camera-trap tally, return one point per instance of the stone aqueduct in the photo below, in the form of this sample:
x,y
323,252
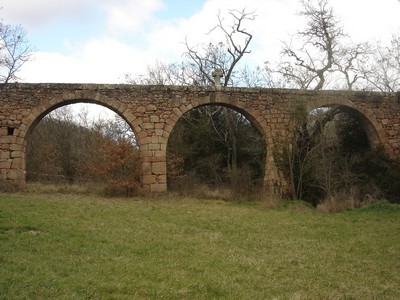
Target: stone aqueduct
x,y
152,112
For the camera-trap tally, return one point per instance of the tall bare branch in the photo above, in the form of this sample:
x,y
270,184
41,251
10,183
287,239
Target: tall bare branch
x,y
314,58
224,55
14,51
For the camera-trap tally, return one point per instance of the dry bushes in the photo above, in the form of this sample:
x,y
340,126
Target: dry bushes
x,y
342,201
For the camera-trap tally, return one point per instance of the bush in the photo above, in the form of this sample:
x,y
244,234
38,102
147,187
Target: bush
x,y
375,168
342,201
118,190
7,186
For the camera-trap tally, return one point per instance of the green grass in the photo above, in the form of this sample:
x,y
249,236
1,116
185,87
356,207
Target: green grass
x,y
57,246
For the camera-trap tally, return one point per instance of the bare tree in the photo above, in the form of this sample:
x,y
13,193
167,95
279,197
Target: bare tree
x,y
201,60
382,71
308,64
350,62
162,74
226,55
323,55
14,51
215,136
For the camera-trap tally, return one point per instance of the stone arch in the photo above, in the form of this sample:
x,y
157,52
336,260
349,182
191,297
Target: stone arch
x,y
252,115
40,111
373,129
273,181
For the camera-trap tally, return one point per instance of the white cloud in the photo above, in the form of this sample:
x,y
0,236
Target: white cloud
x,y
98,61
129,15
107,57
35,13
120,14
274,20
369,20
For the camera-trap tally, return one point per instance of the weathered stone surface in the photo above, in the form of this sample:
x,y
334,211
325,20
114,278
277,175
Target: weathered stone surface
x,y
16,154
4,155
14,174
146,168
154,146
5,164
159,168
149,180
153,111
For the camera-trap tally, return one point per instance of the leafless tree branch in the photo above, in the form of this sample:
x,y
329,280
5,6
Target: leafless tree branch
x,y
15,51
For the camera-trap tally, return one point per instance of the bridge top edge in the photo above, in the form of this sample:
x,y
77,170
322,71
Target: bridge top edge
x,y
126,86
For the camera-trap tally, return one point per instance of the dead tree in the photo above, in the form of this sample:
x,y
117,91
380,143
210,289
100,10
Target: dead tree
x,y
14,51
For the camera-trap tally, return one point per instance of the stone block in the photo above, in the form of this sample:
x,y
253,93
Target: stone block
x,y
162,179
129,115
154,147
170,122
14,174
142,134
149,179
163,140
160,153
154,119
158,188
144,147
159,168
16,154
6,139
5,164
4,154
151,107
146,140
137,121
141,109
158,158
23,128
147,168
17,164
147,126
159,132
16,147
167,128
177,111
146,154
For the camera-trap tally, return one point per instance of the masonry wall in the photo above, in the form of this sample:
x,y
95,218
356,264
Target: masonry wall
x,y
152,112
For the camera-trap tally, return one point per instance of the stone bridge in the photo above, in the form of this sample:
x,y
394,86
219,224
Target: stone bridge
x,y
152,112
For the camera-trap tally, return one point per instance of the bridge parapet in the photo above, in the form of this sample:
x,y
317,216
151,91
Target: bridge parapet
x,y
152,112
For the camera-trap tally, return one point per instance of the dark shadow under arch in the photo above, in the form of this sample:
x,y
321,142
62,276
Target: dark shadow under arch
x,y
368,122
205,148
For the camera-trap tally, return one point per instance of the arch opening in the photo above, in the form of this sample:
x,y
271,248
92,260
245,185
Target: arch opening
x,y
342,126
83,143
218,148
333,147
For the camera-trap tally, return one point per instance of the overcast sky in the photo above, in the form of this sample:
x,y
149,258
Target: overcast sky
x,y
98,41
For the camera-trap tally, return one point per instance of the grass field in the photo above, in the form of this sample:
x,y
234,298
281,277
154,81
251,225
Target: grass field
x,y
65,246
